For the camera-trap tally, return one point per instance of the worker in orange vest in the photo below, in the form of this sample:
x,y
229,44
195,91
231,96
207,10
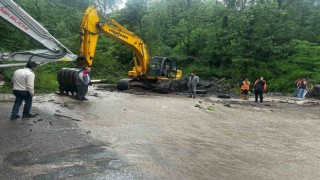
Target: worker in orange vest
x,y
245,89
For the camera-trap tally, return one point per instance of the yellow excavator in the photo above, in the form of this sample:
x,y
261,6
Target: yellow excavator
x,y
151,72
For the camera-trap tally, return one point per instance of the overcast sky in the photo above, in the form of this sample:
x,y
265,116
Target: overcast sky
x,y
122,4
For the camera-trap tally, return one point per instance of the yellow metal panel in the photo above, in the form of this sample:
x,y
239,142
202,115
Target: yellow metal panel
x,y
89,36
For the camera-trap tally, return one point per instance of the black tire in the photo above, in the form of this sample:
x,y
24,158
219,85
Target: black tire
x,y
74,81
60,82
70,79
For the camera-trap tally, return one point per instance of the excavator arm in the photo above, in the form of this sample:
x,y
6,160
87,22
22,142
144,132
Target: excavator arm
x,y
91,27
139,48
55,51
146,69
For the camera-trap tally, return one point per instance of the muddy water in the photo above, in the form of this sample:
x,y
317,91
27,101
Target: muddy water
x,y
173,137
169,138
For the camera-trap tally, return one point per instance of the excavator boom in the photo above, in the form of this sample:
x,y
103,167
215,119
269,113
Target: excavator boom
x,y
55,51
91,27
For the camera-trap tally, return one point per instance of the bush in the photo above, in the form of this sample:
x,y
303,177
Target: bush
x,y
46,77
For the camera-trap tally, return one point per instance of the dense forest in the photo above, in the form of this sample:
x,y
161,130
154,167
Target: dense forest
x,y
234,39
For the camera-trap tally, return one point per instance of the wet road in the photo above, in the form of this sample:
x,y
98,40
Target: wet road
x,y
124,136
55,147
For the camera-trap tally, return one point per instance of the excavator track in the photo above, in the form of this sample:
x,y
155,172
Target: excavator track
x,y
124,84
162,87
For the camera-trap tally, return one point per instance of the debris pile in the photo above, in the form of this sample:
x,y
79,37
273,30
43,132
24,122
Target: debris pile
x,y
315,92
212,87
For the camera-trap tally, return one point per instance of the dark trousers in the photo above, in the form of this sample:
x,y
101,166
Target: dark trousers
x,y
260,93
192,90
82,91
21,96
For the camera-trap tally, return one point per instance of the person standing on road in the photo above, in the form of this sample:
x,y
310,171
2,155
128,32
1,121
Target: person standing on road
x,y
296,89
192,84
23,90
260,85
245,89
82,83
303,88
307,89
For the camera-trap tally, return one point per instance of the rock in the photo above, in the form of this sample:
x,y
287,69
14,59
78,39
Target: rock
x,y
62,115
223,95
64,105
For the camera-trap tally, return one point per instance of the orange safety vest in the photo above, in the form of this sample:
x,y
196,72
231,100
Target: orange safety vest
x,y
245,85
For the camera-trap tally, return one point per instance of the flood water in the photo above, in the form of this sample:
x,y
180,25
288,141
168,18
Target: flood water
x,y
124,136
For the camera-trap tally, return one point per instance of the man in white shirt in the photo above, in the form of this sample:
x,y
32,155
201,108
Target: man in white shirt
x,y
23,90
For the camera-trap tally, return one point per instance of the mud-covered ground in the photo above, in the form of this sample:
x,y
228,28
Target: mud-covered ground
x,y
153,136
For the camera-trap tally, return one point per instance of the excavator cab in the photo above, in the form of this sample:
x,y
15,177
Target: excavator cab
x,y
162,68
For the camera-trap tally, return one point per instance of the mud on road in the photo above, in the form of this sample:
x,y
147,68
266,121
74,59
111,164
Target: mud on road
x,y
150,136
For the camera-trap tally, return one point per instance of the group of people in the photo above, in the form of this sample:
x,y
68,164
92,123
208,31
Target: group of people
x,y
260,85
23,88
301,88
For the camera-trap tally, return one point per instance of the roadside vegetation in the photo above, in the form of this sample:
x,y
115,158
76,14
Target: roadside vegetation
x,y
232,39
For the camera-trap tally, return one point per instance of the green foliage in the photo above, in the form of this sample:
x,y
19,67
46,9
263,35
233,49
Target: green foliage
x,y
210,108
7,73
46,77
231,39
